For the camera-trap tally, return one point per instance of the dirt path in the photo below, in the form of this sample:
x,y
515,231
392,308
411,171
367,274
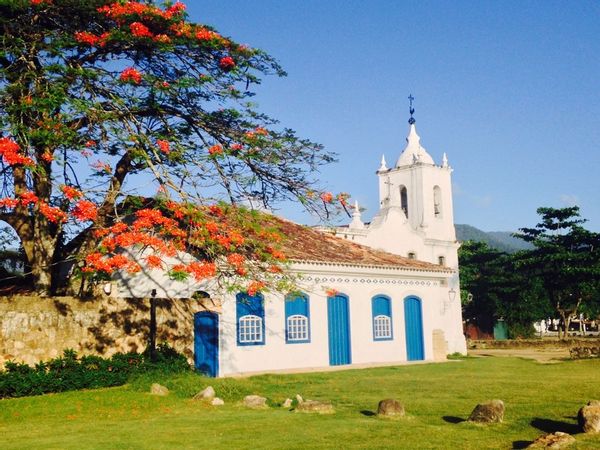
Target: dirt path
x,y
542,355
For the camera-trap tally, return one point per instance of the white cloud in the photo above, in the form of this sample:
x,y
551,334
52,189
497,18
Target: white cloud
x,y
569,199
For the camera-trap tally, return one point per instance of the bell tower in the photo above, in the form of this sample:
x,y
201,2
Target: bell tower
x,y
416,220
415,200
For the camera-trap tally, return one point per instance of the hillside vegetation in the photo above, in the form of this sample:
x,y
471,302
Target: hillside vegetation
x,y
499,240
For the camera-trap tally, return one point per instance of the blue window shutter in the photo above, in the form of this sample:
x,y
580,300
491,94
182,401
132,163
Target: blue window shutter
x,y
250,305
297,305
382,306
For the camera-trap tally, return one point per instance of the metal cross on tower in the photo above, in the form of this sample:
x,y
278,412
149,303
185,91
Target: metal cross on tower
x,y
411,109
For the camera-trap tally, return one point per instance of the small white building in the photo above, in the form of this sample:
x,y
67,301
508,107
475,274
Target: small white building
x,y
379,293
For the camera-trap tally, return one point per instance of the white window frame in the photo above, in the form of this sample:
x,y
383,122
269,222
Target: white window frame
x,y
382,327
250,329
297,328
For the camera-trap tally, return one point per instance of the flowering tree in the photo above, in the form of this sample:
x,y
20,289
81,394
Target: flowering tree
x,y
104,104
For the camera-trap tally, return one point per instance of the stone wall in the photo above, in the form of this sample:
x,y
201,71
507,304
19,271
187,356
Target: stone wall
x,y
534,343
34,329
585,350
440,345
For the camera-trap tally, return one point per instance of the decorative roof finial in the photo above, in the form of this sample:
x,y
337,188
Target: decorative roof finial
x,y
383,165
356,223
411,110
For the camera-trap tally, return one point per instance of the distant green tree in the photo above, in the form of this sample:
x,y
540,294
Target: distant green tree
x,y
525,302
493,288
481,278
565,260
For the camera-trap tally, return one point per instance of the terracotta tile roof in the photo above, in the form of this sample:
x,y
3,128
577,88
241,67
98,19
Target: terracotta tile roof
x,y
303,243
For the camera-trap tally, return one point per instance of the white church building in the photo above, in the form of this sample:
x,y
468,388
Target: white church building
x,y
381,293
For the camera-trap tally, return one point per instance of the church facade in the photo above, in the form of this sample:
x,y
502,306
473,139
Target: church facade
x,y
368,294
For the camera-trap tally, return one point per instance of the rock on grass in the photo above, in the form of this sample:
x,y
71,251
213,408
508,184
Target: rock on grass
x,y
490,412
255,402
157,389
553,440
589,417
390,408
314,406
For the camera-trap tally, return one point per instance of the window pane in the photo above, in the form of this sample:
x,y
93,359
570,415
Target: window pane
x,y
250,329
382,327
297,326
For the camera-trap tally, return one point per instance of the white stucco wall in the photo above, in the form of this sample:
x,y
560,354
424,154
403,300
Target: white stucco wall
x,y
142,283
360,285
424,233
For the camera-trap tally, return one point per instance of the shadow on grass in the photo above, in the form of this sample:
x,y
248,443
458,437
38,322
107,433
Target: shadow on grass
x,y
552,426
521,444
367,413
453,419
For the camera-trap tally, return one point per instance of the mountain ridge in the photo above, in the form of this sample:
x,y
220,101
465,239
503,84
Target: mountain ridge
x,y
500,240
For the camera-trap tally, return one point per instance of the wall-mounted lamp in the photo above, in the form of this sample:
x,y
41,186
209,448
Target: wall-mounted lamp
x,y
446,303
451,295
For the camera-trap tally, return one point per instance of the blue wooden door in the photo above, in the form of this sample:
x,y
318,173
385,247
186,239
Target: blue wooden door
x,y
413,323
206,343
339,330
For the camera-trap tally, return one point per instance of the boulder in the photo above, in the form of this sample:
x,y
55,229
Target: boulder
x,y
589,417
287,403
390,408
157,389
205,394
554,440
217,402
490,412
315,406
255,401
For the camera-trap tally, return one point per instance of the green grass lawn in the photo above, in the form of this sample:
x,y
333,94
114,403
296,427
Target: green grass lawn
x,y
437,397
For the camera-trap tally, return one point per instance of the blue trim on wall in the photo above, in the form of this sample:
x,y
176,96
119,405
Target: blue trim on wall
x,y
249,305
381,305
298,304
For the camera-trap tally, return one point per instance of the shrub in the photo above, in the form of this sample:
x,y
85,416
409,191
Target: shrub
x,y
70,372
520,331
166,359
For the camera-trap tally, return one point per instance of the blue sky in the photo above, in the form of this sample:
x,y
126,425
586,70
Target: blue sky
x,y
509,90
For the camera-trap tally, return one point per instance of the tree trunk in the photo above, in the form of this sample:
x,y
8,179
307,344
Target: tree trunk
x,y
563,317
42,261
567,314
39,242
152,340
567,325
